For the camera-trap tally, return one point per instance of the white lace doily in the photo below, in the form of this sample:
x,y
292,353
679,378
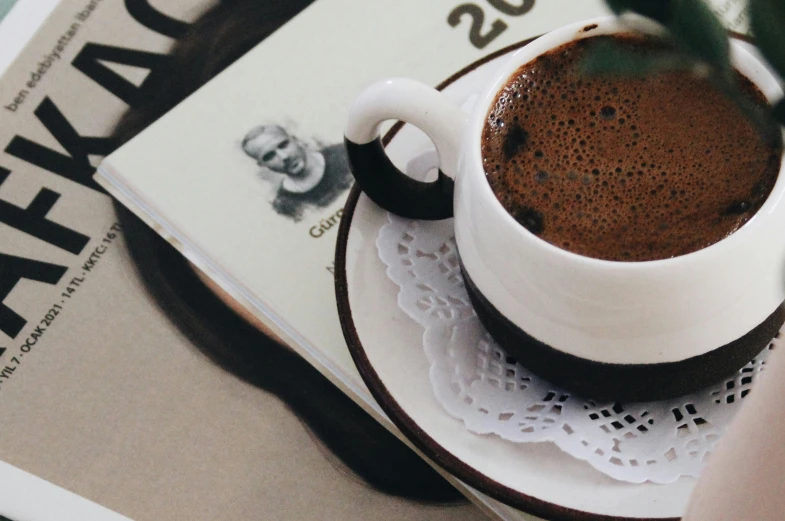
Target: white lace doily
x,y
478,384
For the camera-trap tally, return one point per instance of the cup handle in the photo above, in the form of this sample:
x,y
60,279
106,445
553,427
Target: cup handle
x,y
430,111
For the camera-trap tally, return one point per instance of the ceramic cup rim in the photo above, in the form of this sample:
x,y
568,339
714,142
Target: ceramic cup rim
x,y
743,60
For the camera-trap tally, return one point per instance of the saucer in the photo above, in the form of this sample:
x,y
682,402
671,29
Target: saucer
x,y
386,345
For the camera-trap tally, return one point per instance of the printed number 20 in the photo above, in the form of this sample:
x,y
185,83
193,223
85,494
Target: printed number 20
x,y
477,15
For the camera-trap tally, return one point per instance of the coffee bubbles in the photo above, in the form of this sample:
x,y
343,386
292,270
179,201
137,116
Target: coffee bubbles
x,y
627,169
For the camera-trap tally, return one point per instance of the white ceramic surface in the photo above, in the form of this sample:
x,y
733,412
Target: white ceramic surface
x,y
614,312
539,475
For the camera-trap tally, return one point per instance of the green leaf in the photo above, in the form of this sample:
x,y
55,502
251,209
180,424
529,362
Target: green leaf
x,y
759,117
779,111
695,26
609,59
767,21
657,9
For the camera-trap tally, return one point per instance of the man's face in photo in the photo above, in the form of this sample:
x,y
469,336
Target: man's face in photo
x,y
276,150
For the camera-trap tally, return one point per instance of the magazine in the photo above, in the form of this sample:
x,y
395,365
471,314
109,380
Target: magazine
x,y
104,400
212,193
249,214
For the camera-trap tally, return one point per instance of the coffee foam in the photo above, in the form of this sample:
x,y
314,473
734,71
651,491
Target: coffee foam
x,y
627,169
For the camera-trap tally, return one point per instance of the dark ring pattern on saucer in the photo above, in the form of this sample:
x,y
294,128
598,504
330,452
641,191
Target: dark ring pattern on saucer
x,y
429,446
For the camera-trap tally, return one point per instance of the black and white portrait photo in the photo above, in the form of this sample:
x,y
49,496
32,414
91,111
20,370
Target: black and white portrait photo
x,y
306,176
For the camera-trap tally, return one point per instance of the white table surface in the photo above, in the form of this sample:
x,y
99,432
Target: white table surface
x,y
20,25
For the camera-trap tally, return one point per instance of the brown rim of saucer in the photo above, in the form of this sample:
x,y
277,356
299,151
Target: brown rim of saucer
x,y
200,312
430,447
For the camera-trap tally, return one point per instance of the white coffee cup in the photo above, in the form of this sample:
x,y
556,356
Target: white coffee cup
x,y
611,320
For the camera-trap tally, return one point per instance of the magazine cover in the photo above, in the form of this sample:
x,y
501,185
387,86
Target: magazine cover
x,y
226,203
240,135
243,144
102,394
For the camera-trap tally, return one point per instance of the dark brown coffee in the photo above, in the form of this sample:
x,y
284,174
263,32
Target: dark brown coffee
x,y
626,169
